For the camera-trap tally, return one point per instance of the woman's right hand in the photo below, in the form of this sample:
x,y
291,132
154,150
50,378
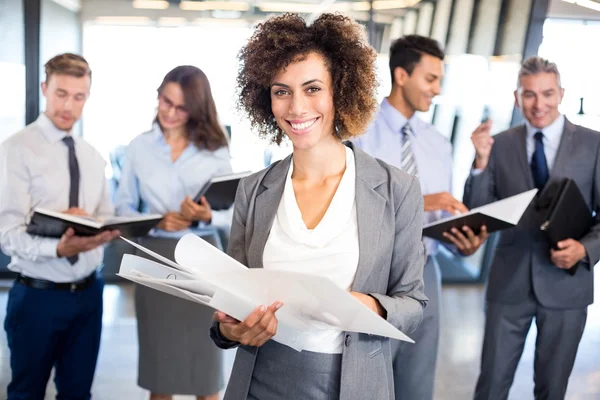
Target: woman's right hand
x,y
255,330
174,221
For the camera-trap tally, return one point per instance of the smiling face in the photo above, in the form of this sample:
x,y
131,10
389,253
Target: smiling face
x,y
539,97
172,113
423,84
302,101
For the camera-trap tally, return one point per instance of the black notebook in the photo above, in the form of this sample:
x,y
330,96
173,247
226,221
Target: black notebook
x,y
54,224
564,212
496,216
220,190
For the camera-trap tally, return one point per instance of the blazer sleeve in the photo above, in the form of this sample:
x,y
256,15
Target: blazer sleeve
x,y
591,241
480,187
405,299
237,250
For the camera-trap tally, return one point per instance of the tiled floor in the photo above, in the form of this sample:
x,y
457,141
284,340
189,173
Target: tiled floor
x,y
462,328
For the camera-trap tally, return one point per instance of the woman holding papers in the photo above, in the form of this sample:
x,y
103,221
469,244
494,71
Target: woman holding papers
x,y
164,168
328,209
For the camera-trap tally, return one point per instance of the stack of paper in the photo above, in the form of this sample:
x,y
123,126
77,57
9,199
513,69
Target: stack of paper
x,y
205,275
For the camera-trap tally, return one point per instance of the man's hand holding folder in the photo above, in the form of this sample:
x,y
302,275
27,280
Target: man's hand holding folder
x,y
70,245
569,253
465,240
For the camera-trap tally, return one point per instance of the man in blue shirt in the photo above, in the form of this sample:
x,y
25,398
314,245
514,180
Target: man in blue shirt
x,y
401,139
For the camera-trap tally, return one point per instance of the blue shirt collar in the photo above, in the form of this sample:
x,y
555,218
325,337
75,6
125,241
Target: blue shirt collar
x,y
395,119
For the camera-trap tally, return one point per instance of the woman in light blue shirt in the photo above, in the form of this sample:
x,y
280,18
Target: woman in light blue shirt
x,y
163,170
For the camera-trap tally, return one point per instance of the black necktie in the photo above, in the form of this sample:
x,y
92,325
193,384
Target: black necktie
x,y
74,177
539,166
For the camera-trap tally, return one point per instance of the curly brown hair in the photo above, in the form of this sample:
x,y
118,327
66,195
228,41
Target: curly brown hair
x,y
280,41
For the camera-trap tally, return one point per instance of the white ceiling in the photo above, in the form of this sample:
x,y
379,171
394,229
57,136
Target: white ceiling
x,y
562,9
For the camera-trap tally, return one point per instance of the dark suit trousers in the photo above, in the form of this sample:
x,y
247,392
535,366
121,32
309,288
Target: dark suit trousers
x,y
506,328
415,364
53,328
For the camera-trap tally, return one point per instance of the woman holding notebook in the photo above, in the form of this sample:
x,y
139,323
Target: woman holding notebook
x,y
328,209
164,169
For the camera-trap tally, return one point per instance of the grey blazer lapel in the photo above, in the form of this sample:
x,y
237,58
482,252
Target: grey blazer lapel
x,y
370,209
565,149
267,202
522,155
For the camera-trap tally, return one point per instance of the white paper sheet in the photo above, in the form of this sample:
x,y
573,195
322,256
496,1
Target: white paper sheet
x,y
310,302
510,209
197,255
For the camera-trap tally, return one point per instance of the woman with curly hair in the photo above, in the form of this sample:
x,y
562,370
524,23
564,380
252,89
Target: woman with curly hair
x,y
328,209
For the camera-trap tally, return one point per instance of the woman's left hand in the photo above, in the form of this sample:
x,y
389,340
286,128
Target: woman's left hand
x,y
196,212
370,302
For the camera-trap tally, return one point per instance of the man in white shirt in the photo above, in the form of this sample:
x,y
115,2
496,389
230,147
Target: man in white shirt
x,y
54,311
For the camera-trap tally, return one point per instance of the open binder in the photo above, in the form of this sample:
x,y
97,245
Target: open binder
x,y
495,216
220,190
54,224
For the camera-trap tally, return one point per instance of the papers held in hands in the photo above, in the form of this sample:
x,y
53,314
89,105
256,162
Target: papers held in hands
x,y
495,216
53,224
208,276
220,190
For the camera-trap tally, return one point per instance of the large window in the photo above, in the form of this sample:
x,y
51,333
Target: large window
x,y
569,43
12,68
123,101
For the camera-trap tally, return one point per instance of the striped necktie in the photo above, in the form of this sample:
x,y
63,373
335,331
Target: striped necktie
x,y
409,164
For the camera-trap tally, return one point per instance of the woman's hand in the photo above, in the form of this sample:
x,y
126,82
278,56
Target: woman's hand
x,y
174,221
196,212
255,330
370,302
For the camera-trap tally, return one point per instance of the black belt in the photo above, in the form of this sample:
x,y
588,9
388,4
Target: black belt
x,y
76,286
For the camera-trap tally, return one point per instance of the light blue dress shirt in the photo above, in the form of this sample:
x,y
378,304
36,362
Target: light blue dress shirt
x,y
431,149
152,179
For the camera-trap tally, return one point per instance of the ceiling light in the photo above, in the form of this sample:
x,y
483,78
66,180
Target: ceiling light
x,y
151,4
214,5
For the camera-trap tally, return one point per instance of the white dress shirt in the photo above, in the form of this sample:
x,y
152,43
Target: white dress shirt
x,y
551,140
34,172
329,250
552,135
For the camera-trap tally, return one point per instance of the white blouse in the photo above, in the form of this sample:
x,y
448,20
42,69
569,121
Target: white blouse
x,y
329,250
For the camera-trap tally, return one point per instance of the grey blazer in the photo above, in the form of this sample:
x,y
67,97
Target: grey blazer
x,y
390,268
522,257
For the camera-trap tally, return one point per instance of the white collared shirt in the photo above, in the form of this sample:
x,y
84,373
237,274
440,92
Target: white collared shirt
x,y
552,135
34,172
330,249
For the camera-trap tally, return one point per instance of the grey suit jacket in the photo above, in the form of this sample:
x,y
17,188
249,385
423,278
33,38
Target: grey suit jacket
x,y
522,257
390,214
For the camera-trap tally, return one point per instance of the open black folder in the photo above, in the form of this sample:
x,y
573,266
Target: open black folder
x,y
496,216
220,190
564,212
53,224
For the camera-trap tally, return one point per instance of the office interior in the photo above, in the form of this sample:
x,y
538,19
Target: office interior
x,y
131,44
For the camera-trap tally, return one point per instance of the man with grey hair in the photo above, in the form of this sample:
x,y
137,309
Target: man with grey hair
x,y
528,277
